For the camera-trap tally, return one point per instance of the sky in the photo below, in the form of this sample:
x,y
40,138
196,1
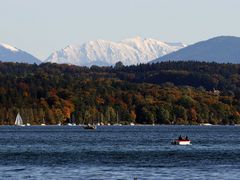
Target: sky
x,y
41,27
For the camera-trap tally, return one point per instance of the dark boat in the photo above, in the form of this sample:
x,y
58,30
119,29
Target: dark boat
x,y
89,126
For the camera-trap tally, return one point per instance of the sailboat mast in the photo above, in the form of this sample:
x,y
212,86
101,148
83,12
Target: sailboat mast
x,y
18,121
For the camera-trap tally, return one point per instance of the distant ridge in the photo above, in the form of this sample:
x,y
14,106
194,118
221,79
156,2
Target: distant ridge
x,y
222,49
103,53
11,54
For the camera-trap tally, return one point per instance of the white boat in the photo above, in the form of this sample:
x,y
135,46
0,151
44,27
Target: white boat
x,y
71,121
132,124
43,123
206,124
28,124
19,121
181,142
117,124
101,123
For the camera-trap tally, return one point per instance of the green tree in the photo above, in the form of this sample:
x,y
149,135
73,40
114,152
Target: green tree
x,y
163,116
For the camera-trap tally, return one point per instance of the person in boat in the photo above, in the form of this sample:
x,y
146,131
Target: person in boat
x,y
180,138
186,138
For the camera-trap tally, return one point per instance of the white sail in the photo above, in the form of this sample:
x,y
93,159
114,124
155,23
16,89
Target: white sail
x,y
19,121
43,122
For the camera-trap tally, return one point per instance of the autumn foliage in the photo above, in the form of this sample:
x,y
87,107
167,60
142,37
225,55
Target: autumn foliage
x,y
163,93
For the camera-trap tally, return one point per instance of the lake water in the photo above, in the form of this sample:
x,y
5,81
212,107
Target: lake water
x,y
120,152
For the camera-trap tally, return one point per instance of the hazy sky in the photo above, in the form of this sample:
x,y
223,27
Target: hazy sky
x,y
43,26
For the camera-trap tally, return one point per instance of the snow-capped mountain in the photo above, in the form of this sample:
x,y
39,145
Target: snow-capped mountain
x,y
102,52
11,54
222,49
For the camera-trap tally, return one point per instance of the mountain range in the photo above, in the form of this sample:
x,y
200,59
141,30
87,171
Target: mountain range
x,y
222,49
102,52
11,54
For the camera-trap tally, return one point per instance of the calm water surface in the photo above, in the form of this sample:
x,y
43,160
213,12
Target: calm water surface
x,y
124,152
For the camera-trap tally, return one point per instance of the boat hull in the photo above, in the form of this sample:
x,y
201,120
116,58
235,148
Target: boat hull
x,y
181,142
22,125
90,127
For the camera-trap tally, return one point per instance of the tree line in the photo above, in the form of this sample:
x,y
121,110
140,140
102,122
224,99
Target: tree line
x,y
162,93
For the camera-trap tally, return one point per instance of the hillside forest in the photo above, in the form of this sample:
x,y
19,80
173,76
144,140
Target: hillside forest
x,y
162,93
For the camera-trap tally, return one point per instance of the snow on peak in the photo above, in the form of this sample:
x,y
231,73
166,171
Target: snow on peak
x,y
11,48
11,54
102,52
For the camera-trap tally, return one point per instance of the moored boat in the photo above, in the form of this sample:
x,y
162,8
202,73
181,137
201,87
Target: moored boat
x,y
89,126
43,122
19,121
205,124
117,123
132,124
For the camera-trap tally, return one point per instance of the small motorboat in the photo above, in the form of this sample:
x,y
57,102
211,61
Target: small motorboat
x,y
181,141
89,126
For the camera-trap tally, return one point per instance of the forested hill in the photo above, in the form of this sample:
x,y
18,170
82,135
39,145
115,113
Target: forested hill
x,y
196,74
163,93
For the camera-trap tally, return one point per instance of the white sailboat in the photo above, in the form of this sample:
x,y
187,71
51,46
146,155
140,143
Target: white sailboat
x,y
59,123
19,121
43,123
73,121
132,124
117,124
